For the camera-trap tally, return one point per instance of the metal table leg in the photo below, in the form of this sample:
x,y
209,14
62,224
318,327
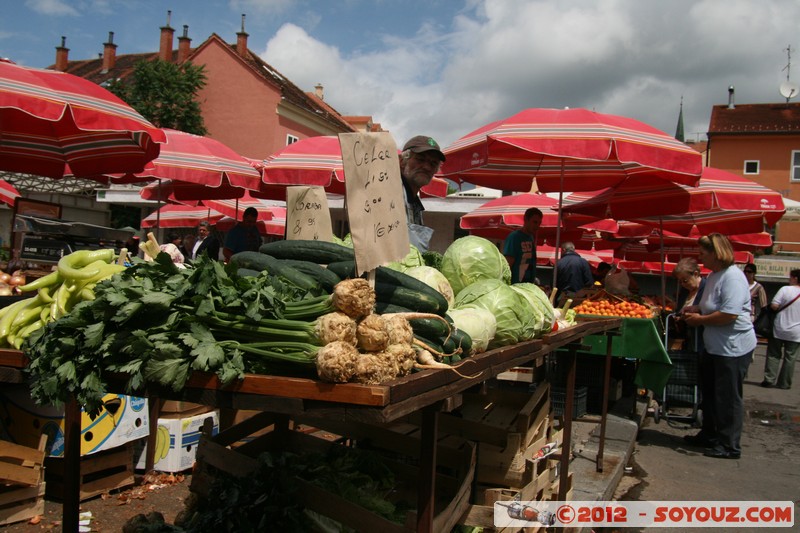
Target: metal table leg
x,y
72,466
427,469
569,400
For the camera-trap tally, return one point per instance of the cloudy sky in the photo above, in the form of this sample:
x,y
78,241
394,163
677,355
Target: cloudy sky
x,y
446,67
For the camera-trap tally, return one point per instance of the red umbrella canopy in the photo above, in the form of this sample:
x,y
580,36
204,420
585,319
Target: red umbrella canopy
x,y
567,150
722,202
187,193
180,216
235,207
49,119
500,216
8,193
275,226
198,160
316,161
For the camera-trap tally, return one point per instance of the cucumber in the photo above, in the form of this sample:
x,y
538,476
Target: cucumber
x,y
343,269
432,344
327,278
248,272
421,301
261,262
414,294
426,327
463,340
320,252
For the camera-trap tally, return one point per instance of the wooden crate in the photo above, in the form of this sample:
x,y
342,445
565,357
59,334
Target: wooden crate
x,y
505,425
22,483
101,472
452,485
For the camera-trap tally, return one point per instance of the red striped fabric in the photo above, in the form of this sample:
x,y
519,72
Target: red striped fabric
x,y
49,119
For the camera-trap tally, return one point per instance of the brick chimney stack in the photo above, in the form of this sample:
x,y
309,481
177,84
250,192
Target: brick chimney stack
x,y
241,41
184,45
167,32
62,55
109,53
319,90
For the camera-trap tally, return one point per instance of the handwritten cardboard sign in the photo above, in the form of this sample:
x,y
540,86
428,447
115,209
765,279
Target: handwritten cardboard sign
x,y
307,214
375,205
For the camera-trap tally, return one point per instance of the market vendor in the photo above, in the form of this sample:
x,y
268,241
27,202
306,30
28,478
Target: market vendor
x,y
419,161
520,247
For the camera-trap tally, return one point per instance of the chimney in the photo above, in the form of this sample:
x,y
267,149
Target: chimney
x,y
319,90
109,53
165,49
731,105
241,41
184,45
62,55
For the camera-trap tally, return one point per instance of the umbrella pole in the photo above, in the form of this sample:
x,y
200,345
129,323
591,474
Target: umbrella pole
x,y
158,209
558,227
663,277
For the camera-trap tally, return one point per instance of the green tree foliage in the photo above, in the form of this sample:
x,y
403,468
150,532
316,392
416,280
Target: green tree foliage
x,y
165,94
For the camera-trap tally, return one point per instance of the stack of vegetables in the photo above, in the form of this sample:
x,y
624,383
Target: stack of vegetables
x,y
56,293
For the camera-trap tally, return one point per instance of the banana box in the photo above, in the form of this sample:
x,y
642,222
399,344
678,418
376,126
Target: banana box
x,y
176,442
123,419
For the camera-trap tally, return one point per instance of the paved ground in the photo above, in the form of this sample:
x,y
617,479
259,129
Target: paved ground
x,y
661,467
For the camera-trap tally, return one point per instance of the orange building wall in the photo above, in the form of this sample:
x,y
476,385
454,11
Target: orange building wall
x,y
774,154
240,108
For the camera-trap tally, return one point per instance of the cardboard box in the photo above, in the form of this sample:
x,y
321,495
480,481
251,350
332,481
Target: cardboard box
x,y
176,442
123,419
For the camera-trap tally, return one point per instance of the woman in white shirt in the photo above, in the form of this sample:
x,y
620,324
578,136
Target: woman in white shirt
x,y
785,335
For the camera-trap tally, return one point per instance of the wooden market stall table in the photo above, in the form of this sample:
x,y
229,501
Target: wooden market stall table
x,y
427,391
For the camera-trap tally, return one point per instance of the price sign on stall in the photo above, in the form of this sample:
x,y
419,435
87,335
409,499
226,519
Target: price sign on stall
x,y
375,205
307,214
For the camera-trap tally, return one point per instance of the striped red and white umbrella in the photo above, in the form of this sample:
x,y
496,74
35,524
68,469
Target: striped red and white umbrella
x,y
8,193
180,216
49,119
276,226
498,217
721,202
567,150
197,168
235,208
316,161
546,255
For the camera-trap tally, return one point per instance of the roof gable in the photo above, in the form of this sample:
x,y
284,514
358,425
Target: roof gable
x,y
755,118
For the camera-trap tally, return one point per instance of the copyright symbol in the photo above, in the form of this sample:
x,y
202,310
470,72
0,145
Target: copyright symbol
x,y
565,514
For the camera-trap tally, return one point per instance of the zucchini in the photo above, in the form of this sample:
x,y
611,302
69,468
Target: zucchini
x,y
431,344
425,327
462,340
424,301
327,278
415,295
261,262
343,269
248,272
320,252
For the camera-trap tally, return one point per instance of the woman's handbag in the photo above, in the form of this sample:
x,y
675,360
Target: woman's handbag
x,y
766,319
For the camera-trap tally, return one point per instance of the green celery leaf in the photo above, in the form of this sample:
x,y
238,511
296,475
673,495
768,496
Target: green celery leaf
x,y
168,372
208,356
156,298
66,371
93,335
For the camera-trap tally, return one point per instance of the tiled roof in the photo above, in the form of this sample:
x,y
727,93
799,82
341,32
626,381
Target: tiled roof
x,y
92,69
755,118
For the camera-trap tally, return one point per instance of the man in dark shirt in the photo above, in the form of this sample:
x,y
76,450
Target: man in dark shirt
x,y
573,272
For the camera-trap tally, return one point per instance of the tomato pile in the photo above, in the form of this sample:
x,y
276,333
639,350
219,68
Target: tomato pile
x,y
609,308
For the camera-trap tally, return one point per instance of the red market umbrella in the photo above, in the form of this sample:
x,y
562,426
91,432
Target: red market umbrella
x,y
500,216
180,216
316,161
197,160
186,193
722,202
8,193
567,150
546,255
49,119
275,226
235,207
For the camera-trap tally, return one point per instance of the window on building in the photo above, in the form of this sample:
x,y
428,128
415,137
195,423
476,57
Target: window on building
x,y
795,175
290,139
751,167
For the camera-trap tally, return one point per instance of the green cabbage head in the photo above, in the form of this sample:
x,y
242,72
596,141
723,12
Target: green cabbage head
x,y
540,306
433,278
412,259
515,319
470,259
479,324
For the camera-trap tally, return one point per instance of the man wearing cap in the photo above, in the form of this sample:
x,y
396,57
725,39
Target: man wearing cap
x,y
419,161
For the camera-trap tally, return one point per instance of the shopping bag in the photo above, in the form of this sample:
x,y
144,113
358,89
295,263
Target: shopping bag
x,y
764,322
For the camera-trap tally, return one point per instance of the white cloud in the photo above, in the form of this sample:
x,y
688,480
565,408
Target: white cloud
x,y
496,57
51,7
